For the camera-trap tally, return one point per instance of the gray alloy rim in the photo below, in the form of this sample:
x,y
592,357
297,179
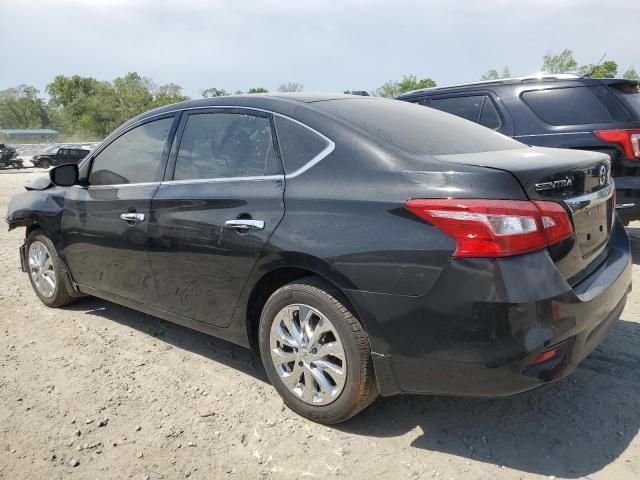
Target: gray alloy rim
x,y
308,354
41,269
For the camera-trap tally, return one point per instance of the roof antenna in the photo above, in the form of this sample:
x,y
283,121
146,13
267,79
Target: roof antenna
x,y
597,65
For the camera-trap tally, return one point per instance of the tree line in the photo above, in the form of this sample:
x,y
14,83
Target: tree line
x,y
88,109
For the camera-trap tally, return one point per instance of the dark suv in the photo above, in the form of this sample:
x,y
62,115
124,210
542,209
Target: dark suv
x,y
565,111
59,156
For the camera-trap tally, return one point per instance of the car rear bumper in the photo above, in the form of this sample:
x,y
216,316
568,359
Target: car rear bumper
x,y
483,322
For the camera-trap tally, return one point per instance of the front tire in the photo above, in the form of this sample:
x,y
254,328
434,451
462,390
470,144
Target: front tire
x,y
45,271
316,353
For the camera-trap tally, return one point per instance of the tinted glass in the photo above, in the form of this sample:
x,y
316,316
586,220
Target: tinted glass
x,y
576,105
298,145
489,116
465,107
135,157
629,93
416,129
223,145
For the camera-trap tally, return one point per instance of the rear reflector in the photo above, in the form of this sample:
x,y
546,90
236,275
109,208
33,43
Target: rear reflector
x,y
627,138
495,228
543,357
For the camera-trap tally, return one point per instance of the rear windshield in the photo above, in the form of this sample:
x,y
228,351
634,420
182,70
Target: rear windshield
x,y
629,93
416,129
576,105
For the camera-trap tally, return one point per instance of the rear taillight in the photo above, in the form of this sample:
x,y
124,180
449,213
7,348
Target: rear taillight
x,y
627,138
495,228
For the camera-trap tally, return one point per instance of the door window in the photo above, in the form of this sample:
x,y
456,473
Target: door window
x,y
135,157
465,107
225,145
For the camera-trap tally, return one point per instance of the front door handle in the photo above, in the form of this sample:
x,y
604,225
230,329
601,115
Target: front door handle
x,y
244,225
132,217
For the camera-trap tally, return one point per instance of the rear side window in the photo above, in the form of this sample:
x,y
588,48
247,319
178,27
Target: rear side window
x,y
135,157
629,93
298,145
477,108
225,145
576,105
465,107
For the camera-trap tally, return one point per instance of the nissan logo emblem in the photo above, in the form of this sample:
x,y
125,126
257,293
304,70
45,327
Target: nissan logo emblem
x,y
603,174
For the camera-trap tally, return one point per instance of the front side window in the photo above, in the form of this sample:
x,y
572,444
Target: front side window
x,y
225,145
135,157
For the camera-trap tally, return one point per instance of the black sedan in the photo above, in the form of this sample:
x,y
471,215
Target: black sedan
x,y
360,245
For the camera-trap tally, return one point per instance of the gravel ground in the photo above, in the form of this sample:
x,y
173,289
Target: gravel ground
x,y
96,390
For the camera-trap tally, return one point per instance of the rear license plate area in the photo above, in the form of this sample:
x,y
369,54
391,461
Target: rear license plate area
x,y
593,227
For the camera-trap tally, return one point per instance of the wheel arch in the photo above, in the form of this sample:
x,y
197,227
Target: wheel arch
x,y
271,279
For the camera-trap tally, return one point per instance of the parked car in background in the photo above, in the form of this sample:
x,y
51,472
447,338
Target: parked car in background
x,y
9,157
565,111
359,244
59,156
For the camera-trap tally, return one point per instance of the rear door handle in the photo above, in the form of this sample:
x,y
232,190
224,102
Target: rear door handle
x,y
132,217
244,225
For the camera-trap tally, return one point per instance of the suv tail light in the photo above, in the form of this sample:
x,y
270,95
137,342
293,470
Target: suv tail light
x,y
627,138
495,228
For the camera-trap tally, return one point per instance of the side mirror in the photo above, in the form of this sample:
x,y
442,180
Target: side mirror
x,y
64,175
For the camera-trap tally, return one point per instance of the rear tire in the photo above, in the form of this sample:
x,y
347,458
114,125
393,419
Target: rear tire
x,y
46,270
322,369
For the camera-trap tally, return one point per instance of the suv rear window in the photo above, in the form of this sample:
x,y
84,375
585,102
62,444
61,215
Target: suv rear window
x,y
576,105
415,129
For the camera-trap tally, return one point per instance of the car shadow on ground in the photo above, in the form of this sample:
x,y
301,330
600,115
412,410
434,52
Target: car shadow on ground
x,y
571,428
634,240
175,335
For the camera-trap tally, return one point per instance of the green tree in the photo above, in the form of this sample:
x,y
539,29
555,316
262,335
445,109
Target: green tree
x,y
82,105
407,83
631,74
257,90
607,69
562,63
493,74
168,94
213,92
290,87
133,96
20,107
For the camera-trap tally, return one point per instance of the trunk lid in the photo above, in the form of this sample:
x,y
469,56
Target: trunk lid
x,y
579,180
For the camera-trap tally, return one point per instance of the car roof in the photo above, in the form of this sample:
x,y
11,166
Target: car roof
x,y
275,102
556,80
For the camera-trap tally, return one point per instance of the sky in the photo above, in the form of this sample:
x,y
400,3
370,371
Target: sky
x,y
325,45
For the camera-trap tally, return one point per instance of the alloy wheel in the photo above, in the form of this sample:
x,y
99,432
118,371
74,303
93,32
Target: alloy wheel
x,y
41,269
308,354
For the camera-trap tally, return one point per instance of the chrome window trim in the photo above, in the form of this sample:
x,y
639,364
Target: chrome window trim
x,y
576,204
223,179
549,134
120,185
324,153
